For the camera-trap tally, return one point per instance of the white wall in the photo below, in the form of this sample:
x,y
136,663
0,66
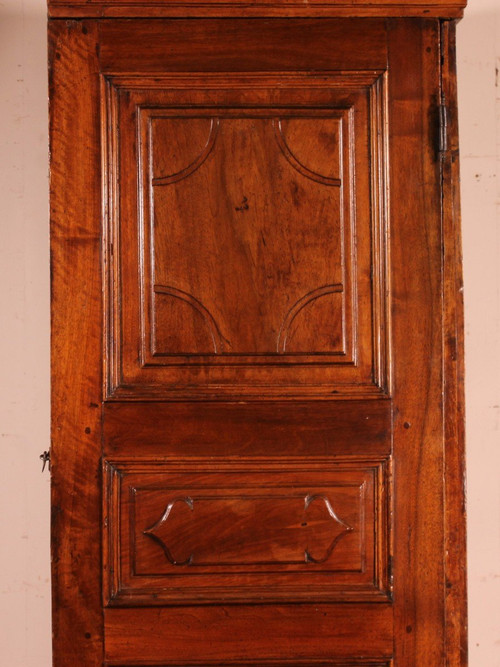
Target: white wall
x,y
479,104
24,328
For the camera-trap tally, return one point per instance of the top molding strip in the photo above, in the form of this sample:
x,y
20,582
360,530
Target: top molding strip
x,y
247,8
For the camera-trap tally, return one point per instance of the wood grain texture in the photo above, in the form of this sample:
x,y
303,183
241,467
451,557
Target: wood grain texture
x,y
197,8
76,346
178,636
318,45
296,431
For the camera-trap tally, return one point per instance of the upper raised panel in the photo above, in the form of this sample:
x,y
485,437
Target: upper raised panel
x,y
248,246
246,236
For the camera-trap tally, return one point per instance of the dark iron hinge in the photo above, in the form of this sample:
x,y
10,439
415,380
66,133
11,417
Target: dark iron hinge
x,y
443,128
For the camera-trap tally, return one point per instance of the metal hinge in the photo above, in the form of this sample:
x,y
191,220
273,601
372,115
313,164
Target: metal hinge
x,y
443,128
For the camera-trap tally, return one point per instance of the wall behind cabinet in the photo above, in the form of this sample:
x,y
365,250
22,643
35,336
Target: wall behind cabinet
x,y
24,327
24,336
479,114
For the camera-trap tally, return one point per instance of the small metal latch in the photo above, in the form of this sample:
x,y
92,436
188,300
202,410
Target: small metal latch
x,y
45,458
443,128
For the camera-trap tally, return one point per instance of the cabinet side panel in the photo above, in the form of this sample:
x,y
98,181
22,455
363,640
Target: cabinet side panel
x,y
76,344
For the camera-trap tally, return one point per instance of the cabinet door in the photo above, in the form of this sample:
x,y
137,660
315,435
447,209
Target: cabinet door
x,y
248,453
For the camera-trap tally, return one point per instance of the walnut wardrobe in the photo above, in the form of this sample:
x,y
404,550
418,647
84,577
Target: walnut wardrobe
x,y
257,335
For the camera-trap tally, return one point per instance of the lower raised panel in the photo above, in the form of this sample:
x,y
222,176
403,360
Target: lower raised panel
x,y
196,533
251,528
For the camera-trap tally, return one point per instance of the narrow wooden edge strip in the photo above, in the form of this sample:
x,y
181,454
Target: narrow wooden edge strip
x,y
455,562
211,8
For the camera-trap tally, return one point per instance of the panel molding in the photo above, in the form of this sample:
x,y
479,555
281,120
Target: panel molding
x,y
148,381
342,662
334,79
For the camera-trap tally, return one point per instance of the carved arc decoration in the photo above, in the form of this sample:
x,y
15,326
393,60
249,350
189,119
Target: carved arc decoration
x,y
347,528
299,305
215,334
196,164
150,532
296,164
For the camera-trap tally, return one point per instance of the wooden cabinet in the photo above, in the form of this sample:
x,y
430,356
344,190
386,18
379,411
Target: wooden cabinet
x,y
257,449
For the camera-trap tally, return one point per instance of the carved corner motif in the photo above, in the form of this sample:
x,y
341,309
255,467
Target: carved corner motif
x,y
196,164
295,162
151,532
217,338
298,306
309,558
